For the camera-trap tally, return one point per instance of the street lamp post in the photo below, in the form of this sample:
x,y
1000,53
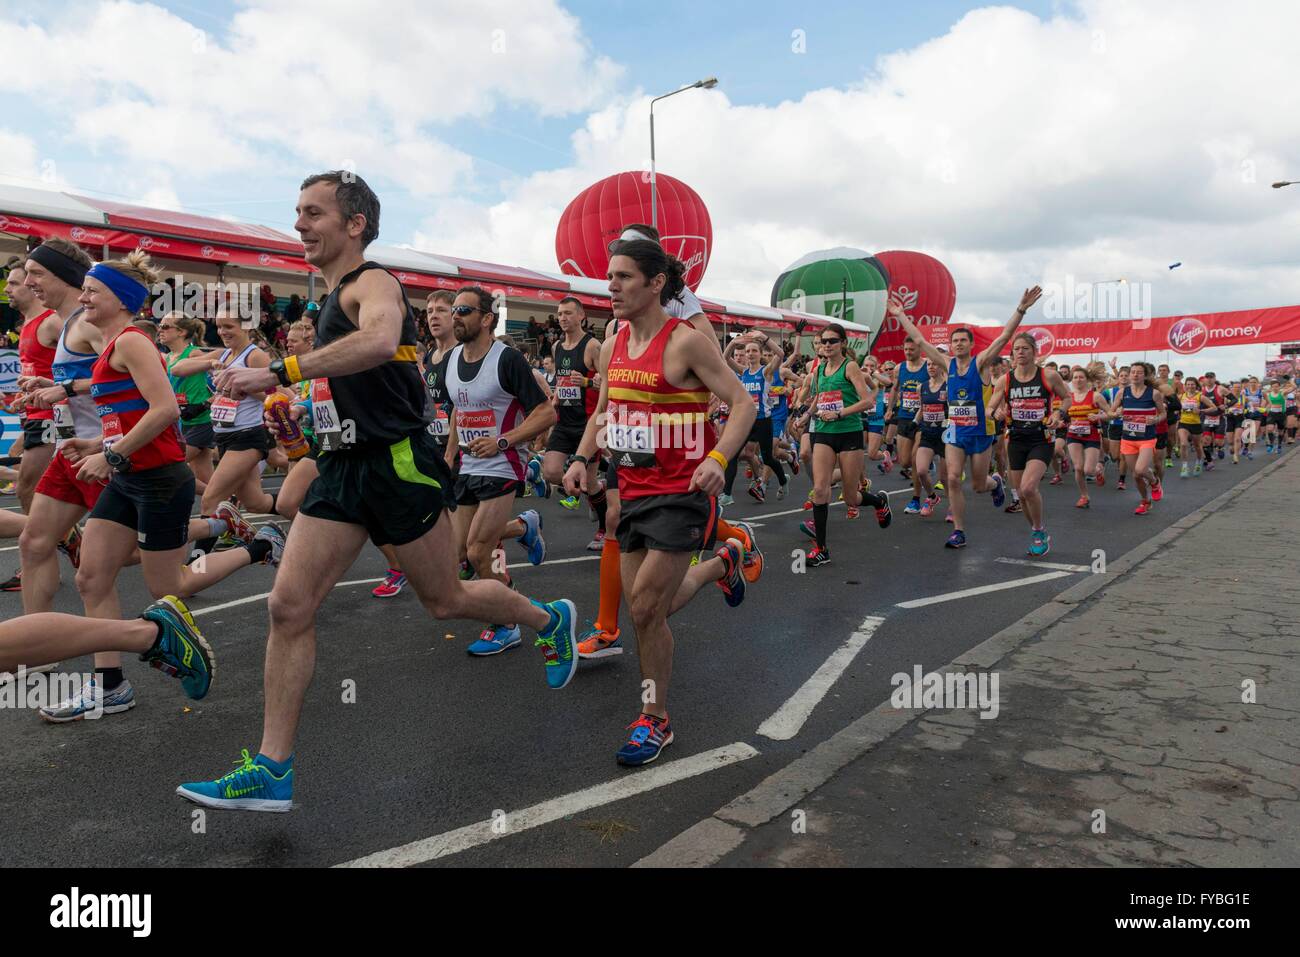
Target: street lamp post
x,y
707,83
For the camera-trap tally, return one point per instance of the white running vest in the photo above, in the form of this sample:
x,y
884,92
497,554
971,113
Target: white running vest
x,y
485,410
229,416
75,417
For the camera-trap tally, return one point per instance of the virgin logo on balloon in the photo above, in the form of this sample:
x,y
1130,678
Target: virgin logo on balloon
x,y
1187,336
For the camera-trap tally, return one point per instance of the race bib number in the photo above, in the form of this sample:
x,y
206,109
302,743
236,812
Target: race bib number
x,y
440,427
830,401
1212,421
475,424
1135,424
1028,411
963,415
112,429
63,422
911,402
324,416
569,389
933,414
1081,427
224,410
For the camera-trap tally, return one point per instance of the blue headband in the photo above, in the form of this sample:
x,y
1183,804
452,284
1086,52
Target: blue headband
x,y
131,293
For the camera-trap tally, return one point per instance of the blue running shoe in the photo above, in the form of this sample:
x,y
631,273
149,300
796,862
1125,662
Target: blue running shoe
x,y
532,539
1040,543
252,786
91,702
181,650
649,736
732,581
494,640
570,502
541,488
913,507
956,540
558,643
999,491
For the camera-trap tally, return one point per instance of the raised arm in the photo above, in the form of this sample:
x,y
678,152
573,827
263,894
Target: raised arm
x,y
931,351
1027,301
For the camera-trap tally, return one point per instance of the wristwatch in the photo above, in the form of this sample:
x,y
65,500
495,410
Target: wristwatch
x,y
120,463
69,387
579,458
281,372
502,443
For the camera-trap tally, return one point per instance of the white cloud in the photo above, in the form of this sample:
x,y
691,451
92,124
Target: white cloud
x,y
317,80
1108,142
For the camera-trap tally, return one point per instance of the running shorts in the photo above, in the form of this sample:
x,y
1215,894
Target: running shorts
x,y
59,481
199,436
974,444
931,440
395,492
1192,429
565,439
1277,418
684,522
907,429
473,489
38,432
155,502
257,439
1020,454
839,441
1134,446
1086,443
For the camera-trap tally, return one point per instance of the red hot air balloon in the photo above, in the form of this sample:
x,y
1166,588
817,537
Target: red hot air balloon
x,y
598,214
924,288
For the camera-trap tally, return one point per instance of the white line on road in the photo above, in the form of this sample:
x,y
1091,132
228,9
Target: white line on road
x,y
982,590
629,785
372,581
1034,564
790,717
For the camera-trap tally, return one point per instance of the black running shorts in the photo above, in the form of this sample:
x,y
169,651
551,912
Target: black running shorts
x,y
395,492
686,522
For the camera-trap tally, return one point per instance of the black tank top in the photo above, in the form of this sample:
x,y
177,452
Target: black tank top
x,y
573,409
1030,404
385,403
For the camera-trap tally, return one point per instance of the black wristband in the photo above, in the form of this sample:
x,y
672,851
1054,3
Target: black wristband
x,y
580,458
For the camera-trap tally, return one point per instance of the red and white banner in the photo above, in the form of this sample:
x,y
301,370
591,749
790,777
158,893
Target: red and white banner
x,y
1183,335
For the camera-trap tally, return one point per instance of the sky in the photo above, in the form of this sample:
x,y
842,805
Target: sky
x,y
1038,142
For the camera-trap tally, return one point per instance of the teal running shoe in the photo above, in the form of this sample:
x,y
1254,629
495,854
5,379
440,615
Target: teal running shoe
x,y
495,639
181,650
252,786
558,643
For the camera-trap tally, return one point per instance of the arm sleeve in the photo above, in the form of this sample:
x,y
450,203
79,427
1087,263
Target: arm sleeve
x,y
517,379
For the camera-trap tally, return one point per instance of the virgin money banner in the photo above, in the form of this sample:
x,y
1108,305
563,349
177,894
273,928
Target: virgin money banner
x,y
1183,335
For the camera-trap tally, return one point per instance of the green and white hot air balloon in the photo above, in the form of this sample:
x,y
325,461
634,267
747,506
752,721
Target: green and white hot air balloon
x,y
844,283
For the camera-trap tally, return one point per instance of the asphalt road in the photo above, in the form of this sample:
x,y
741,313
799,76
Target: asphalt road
x,y
478,753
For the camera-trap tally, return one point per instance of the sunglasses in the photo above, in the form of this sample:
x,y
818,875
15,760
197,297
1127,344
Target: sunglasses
x,y
464,310
829,342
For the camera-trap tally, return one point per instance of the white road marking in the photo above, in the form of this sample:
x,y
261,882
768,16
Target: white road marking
x,y
790,717
982,590
1034,564
516,822
373,581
